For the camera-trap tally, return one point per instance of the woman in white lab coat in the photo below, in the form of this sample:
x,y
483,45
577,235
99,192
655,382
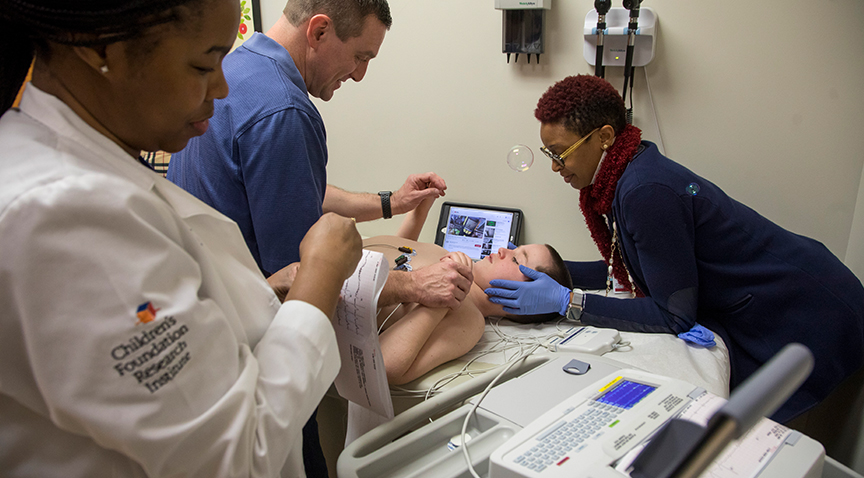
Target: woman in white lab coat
x,y
138,336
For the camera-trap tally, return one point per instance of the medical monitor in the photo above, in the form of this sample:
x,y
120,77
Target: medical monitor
x,y
625,394
477,230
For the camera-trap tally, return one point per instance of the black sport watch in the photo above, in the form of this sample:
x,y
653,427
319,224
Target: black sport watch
x,y
385,203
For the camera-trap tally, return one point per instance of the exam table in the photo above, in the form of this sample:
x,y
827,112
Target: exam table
x,y
441,391
663,354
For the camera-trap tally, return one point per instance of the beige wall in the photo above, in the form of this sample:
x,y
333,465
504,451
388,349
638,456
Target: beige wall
x,y
855,252
762,98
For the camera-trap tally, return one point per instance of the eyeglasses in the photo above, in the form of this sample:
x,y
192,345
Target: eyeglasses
x,y
559,159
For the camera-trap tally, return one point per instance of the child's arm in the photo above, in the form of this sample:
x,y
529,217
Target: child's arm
x,y
402,342
413,222
417,343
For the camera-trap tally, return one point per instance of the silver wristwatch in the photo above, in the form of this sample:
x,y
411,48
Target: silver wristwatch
x,y
577,299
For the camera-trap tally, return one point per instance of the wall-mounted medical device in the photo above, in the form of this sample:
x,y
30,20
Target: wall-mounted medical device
x,y
523,27
615,37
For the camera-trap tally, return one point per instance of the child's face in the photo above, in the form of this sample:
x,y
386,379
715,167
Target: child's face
x,y
505,264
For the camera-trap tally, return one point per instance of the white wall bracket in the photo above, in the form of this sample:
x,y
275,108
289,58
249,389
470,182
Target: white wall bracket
x,y
615,37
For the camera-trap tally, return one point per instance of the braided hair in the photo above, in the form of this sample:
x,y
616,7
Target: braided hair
x,y
26,26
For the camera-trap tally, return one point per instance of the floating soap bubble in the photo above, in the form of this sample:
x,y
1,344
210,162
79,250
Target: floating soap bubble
x,y
693,189
520,158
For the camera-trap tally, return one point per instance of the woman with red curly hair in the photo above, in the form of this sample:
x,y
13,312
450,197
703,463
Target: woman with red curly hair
x,y
689,252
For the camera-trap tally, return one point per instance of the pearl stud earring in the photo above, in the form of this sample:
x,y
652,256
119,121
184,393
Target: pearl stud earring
x,y
103,69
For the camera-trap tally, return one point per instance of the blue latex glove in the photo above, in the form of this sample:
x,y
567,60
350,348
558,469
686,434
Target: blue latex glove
x,y
511,246
540,295
699,335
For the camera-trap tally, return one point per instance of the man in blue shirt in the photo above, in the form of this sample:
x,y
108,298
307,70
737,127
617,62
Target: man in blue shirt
x,y
263,160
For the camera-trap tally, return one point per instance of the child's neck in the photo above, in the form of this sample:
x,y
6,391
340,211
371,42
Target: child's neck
x,y
481,300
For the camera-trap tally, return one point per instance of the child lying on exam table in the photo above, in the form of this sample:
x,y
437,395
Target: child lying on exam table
x,y
416,342
414,338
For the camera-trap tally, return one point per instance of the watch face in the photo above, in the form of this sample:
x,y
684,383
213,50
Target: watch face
x,y
576,297
574,313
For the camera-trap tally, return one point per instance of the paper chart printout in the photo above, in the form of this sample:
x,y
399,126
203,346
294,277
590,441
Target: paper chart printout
x,y
362,378
747,456
702,408
743,458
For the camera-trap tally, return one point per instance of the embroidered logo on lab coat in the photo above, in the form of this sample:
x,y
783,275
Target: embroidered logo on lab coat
x,y
146,313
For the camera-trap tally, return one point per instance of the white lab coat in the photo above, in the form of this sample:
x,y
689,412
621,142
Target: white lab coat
x,y
219,384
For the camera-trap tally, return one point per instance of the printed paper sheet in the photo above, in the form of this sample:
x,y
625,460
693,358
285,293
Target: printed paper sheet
x,y
743,458
362,379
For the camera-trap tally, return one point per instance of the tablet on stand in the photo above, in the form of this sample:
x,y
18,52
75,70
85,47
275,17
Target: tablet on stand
x,y
477,230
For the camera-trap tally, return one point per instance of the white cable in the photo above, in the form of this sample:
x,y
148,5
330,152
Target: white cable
x,y
621,345
654,109
464,444
380,245
443,381
503,344
388,317
522,339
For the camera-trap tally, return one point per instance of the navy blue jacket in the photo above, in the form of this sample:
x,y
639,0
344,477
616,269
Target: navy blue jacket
x,y
699,255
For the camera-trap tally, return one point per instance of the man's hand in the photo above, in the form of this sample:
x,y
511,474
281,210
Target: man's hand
x,y
416,188
282,279
460,258
445,284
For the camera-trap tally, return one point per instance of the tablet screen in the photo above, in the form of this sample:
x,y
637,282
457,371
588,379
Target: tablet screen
x,y
477,230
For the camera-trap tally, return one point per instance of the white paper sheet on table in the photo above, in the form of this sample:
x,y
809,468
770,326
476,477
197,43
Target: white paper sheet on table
x,y
362,378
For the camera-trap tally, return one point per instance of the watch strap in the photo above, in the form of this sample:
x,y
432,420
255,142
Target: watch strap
x,y
577,302
385,204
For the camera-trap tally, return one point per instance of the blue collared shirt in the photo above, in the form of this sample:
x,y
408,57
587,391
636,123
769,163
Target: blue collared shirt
x,y
263,160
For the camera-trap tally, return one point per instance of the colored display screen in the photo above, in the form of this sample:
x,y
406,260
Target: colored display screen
x,y
477,230
626,394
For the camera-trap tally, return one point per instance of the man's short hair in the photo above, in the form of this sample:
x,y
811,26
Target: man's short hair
x,y
348,16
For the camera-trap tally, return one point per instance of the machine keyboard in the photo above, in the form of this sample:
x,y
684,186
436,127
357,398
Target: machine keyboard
x,y
568,436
